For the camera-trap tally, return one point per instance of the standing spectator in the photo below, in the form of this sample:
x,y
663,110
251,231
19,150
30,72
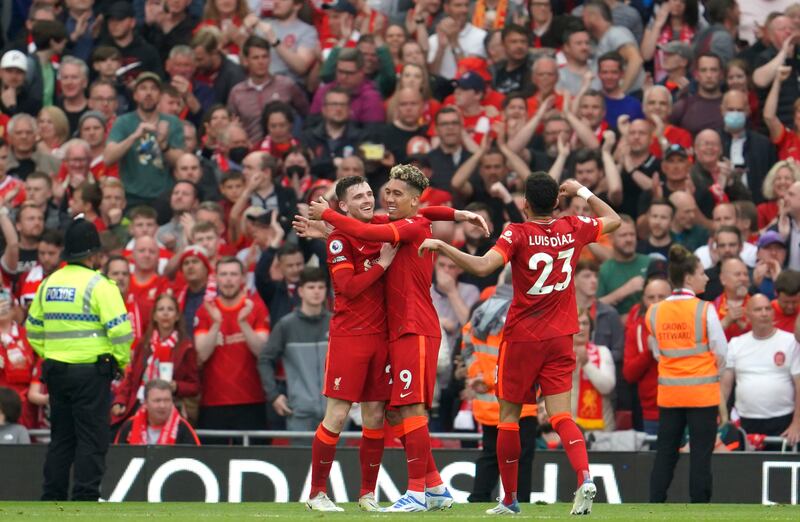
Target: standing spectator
x,y
22,252
25,156
15,98
231,331
117,268
739,143
50,38
788,225
39,192
657,106
404,132
50,247
104,99
786,304
183,201
732,302
621,278
659,239
720,36
701,110
640,368
226,18
593,379
685,230
638,164
455,38
10,411
577,51
17,359
280,295
121,24
765,366
73,77
725,215
214,68
769,265
786,140
777,182
780,54
300,340
450,153
168,23
335,137
727,241
261,190
677,60
366,106
146,143
514,73
597,19
675,21
248,98
158,421
165,352
610,70
146,285
605,319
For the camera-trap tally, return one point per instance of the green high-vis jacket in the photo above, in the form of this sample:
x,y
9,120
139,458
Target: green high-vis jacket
x,y
77,315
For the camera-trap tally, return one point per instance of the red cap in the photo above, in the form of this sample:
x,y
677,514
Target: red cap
x,y
198,252
476,65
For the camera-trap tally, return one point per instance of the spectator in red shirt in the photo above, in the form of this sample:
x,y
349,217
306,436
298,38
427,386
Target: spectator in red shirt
x,y
146,284
164,352
639,367
16,357
230,333
117,268
787,303
158,421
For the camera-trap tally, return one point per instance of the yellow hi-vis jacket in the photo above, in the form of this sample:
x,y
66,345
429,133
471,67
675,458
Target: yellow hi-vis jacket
x,y
78,315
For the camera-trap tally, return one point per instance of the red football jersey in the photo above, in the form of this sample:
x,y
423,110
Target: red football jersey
x,y
230,375
145,293
364,313
543,256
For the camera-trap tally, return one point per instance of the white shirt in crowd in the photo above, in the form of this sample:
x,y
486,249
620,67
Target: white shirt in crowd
x,y
747,255
764,371
470,39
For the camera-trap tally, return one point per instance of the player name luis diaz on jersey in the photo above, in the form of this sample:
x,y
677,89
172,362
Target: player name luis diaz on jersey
x,y
541,240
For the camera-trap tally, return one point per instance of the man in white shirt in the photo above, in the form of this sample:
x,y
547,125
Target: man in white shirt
x,y
455,39
725,214
765,364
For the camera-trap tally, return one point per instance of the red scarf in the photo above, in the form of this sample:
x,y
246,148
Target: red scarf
x,y
590,402
277,150
686,35
169,431
479,17
15,362
210,295
161,351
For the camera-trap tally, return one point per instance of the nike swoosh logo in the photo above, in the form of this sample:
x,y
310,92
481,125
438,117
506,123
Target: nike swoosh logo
x,y
361,249
412,460
574,442
404,395
325,462
511,461
374,465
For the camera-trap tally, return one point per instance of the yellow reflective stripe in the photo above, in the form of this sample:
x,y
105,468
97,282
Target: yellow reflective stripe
x,y
486,348
653,326
687,381
75,334
35,335
486,397
698,324
87,293
684,352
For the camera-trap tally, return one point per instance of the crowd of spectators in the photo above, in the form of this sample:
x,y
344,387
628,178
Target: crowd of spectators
x,y
190,132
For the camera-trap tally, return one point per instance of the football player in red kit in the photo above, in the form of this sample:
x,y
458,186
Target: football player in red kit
x,y
413,326
537,338
358,352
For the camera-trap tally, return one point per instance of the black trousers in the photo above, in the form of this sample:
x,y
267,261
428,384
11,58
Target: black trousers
x,y
672,422
486,471
80,404
233,417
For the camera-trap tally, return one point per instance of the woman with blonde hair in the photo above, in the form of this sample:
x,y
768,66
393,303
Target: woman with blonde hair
x,y
414,76
778,180
228,16
53,129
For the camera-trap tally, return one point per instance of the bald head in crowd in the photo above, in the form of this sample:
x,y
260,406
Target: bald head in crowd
x,y
188,168
685,210
724,214
761,315
734,277
145,256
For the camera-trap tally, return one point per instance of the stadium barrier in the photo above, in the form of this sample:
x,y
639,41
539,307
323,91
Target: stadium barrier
x,y
282,474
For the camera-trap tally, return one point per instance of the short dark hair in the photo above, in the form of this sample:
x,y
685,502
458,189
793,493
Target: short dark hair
x,y
276,107
541,193
143,211
729,229
156,384
664,202
231,175
515,95
254,42
587,155
717,10
612,56
345,183
195,187
52,237
312,274
37,174
601,6
230,260
46,31
708,54
350,54
448,109
336,90
788,282
113,259
10,404
288,249
587,264
102,53
91,193
515,29
478,206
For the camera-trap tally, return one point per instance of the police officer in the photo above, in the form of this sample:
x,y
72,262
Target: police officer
x,y
690,346
78,324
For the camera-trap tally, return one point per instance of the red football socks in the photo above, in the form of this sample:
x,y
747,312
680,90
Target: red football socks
x,y
323,450
508,450
418,450
370,455
432,477
574,444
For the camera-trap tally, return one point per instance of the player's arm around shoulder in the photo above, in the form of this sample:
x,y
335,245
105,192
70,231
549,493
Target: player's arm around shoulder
x,y
480,266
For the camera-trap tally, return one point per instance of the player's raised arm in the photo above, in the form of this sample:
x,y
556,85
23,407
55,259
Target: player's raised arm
x,y
480,266
606,215
438,213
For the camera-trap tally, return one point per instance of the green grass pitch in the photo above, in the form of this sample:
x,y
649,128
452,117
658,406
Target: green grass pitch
x,y
197,512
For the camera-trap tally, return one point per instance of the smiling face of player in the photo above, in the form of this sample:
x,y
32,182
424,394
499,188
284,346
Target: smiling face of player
x,y
359,202
402,200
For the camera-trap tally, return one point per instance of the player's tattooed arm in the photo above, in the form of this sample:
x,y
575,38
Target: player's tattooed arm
x,y
480,266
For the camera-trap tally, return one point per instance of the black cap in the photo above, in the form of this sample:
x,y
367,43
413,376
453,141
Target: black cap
x,y
80,240
343,6
120,11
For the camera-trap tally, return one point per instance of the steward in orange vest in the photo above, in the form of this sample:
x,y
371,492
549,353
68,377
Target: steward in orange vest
x,y
481,346
689,345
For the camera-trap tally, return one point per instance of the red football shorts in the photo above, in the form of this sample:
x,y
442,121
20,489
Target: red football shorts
x,y
414,360
356,368
524,364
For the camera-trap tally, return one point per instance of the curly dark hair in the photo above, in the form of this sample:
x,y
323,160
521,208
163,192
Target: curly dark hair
x,y
541,193
411,175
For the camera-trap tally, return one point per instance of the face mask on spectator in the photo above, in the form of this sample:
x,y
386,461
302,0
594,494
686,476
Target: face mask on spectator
x,y
295,170
735,120
237,154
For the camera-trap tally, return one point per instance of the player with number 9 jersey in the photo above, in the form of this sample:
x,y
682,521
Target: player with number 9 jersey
x,y
543,255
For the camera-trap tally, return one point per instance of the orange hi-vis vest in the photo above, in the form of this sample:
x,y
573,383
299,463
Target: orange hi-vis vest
x,y
688,376
480,356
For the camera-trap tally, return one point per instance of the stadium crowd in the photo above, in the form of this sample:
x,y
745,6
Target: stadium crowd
x,y
191,133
